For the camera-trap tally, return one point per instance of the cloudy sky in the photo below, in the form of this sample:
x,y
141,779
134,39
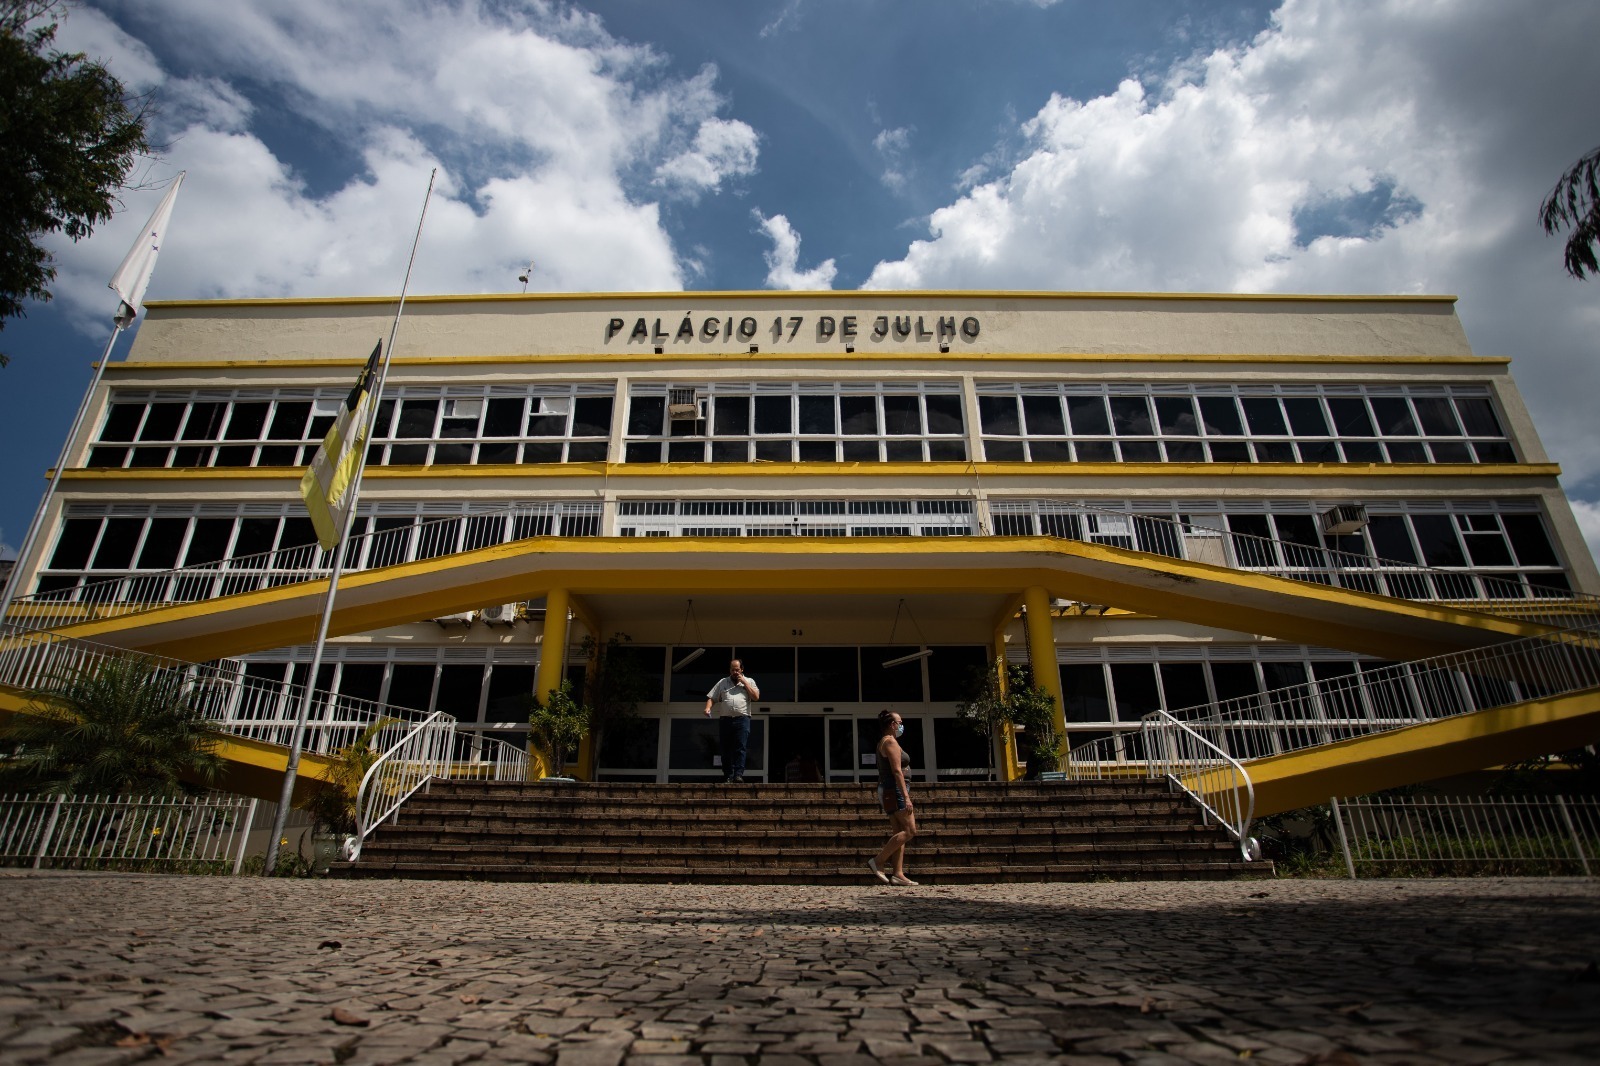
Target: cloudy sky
x,y
1321,146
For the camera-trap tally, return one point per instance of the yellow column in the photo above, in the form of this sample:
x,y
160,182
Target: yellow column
x,y
1007,740
552,651
1042,651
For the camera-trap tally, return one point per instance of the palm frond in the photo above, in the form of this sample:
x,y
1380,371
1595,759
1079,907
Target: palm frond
x,y
1575,203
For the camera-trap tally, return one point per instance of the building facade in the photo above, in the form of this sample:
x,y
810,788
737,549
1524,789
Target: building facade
x,y
851,427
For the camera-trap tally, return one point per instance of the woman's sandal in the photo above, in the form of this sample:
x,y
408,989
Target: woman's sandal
x,y
901,879
872,864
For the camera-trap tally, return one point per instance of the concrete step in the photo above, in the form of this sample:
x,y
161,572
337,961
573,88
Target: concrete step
x,y
840,875
452,810
971,832
758,857
495,836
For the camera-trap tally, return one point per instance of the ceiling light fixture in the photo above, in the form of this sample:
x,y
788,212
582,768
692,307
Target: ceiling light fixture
x,y
923,654
921,640
688,615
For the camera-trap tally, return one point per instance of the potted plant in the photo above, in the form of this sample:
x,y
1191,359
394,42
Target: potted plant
x,y
990,706
332,804
557,725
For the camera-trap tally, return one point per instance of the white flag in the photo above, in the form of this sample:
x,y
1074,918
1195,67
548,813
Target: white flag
x,y
133,276
327,482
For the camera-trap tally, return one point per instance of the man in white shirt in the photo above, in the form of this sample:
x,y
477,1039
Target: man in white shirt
x,y
732,696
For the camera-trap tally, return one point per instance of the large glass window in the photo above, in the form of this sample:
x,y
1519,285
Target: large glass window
x,y
1481,549
106,545
414,425
1241,424
808,422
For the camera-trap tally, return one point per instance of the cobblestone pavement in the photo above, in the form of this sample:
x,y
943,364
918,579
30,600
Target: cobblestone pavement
x,y
119,968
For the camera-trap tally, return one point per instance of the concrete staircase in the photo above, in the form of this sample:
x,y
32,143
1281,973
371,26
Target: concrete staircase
x,y
971,833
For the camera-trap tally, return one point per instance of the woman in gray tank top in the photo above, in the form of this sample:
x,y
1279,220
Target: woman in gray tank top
x,y
894,796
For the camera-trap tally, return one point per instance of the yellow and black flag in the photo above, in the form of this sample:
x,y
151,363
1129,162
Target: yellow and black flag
x,y
327,483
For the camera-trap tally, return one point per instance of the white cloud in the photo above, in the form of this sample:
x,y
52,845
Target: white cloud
x,y
1588,516
788,18
550,136
783,261
895,147
723,148
1466,111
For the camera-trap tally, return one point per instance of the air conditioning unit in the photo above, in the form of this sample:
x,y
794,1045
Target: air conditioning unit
x,y
503,614
460,618
683,405
1345,518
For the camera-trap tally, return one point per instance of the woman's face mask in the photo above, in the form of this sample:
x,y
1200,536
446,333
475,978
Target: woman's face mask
x,y
900,729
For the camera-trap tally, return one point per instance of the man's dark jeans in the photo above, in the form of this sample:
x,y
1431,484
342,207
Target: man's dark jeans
x,y
734,730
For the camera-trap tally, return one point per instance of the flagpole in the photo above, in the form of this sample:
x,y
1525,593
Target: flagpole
x,y
14,581
297,739
129,283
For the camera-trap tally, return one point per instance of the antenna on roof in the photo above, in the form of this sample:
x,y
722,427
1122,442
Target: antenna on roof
x,y
525,275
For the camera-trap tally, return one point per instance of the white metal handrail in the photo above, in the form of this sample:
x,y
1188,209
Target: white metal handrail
x,y
1506,596
142,591
189,833
1545,835
405,766
253,708
1157,534
1394,697
1171,750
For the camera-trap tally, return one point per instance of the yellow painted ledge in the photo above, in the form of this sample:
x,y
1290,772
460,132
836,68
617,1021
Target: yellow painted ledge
x,y
1208,595
742,358
611,471
842,296
1424,752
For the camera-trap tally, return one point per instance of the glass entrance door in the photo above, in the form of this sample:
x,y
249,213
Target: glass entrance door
x,y
796,751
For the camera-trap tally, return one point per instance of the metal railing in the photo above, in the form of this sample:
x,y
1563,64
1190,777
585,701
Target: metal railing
x,y
378,547
1211,743
406,765
1432,836
1172,751
1392,697
1511,595
198,834
252,708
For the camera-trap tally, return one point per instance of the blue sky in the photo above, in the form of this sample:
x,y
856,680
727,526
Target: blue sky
x,y
1323,146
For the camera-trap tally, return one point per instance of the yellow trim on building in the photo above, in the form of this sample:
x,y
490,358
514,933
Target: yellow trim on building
x,y
1239,601
780,295
677,359
1424,752
612,471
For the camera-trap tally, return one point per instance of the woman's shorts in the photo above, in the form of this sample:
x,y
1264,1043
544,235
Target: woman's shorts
x,y
886,793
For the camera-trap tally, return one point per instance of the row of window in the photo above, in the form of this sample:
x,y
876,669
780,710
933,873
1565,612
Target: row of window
x,y
492,691
414,427
280,546
1256,707
819,422
1241,425
1508,543
1487,550
1121,693
1102,698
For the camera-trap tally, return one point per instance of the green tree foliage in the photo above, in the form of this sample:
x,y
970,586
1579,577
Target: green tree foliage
x,y
69,135
1575,203
614,685
558,724
332,804
125,727
989,706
